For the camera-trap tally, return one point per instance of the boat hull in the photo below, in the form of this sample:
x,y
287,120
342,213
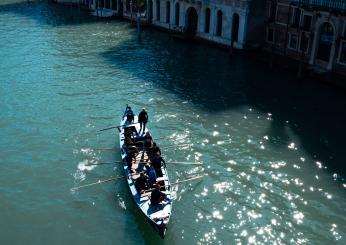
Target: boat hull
x,y
157,216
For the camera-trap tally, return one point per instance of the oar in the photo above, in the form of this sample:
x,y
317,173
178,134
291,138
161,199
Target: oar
x,y
105,149
112,149
121,177
187,163
119,126
178,182
186,180
98,182
102,163
104,129
104,181
186,144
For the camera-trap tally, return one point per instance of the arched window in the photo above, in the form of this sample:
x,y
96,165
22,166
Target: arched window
x,y
107,4
128,6
207,20
219,23
151,4
168,12
191,21
158,10
101,4
177,14
326,40
235,27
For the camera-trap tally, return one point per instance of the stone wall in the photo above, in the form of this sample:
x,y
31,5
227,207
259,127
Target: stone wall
x,y
242,22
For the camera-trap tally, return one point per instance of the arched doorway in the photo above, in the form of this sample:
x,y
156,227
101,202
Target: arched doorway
x,y
177,14
158,7
235,28
207,20
115,4
107,4
128,5
151,4
326,40
219,23
120,7
168,12
101,4
191,21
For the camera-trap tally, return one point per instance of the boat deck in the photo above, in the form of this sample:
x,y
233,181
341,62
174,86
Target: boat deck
x,y
157,215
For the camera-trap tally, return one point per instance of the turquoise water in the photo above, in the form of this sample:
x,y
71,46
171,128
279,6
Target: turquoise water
x,y
272,148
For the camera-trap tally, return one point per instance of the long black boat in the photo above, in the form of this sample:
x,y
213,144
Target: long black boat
x,y
157,215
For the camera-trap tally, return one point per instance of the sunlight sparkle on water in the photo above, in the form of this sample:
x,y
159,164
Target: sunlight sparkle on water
x,y
217,215
292,146
232,162
84,165
222,187
205,192
335,233
298,216
252,214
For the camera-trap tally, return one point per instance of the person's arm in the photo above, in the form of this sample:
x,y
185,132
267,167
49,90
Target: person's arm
x,y
164,163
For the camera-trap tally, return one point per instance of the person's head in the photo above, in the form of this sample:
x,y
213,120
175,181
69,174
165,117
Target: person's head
x,y
143,109
129,107
154,144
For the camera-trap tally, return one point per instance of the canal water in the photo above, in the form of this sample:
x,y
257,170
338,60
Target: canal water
x,y
272,148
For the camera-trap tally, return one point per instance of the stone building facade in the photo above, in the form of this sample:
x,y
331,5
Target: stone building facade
x,y
240,23
311,30
228,22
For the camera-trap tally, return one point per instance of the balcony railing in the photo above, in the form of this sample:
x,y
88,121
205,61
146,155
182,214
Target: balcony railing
x,y
339,5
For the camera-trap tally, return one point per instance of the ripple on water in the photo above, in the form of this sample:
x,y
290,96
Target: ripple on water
x,y
264,184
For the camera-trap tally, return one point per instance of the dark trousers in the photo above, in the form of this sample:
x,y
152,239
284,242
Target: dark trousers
x,y
142,124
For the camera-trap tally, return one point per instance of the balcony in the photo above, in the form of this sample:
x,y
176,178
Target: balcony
x,y
328,5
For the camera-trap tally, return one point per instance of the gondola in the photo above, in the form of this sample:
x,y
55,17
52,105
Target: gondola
x,y
157,215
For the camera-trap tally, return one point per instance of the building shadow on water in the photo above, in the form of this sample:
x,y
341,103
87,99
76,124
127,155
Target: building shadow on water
x,y
213,81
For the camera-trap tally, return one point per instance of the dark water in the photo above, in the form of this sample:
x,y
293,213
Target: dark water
x,y
272,148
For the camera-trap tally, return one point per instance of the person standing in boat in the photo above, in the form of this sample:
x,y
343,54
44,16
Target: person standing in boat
x,y
130,116
142,119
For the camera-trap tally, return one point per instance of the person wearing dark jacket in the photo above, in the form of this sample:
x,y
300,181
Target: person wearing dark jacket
x,y
141,183
154,151
142,119
157,162
129,114
157,197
